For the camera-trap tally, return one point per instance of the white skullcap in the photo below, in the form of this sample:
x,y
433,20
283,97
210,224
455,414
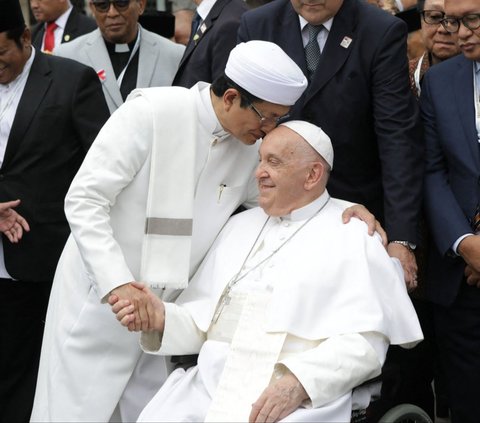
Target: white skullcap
x,y
318,139
265,71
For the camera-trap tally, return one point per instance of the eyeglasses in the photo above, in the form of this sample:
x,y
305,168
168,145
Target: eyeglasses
x,y
268,120
471,21
103,6
433,17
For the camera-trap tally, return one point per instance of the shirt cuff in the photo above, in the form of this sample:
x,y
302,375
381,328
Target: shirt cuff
x,y
457,243
177,321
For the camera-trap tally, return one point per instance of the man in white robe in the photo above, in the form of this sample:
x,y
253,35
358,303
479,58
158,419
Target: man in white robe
x,y
290,310
202,142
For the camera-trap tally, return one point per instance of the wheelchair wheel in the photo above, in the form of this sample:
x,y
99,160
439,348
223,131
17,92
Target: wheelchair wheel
x,y
406,413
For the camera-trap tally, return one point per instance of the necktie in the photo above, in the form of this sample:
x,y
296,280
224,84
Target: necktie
x,y
312,49
195,24
49,44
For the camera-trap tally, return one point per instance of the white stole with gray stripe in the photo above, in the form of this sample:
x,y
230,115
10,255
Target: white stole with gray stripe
x,y
166,245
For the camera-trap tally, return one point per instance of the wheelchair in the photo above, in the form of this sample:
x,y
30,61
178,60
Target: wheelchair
x,y
402,413
406,413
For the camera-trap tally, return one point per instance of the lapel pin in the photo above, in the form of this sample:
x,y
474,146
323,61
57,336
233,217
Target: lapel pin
x,y
101,75
66,38
346,42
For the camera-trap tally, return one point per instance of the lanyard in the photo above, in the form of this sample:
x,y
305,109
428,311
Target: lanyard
x,y
134,51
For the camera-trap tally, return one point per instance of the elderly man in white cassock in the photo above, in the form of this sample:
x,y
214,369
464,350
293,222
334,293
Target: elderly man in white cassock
x,y
291,308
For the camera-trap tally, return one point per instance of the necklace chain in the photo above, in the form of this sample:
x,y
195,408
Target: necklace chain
x,y
237,277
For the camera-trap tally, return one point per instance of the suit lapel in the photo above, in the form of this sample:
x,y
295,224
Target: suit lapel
x,y
99,58
204,28
290,37
337,48
464,98
37,36
147,59
38,83
71,27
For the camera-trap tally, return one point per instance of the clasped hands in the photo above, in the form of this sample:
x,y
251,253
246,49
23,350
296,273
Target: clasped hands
x,y
137,308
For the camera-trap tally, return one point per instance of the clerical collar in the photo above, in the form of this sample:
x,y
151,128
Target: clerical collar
x,y
119,48
207,115
309,210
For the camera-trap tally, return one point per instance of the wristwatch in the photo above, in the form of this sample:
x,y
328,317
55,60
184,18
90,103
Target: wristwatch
x,y
410,245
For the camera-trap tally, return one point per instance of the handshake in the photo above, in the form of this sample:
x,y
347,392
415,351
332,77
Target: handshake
x,y
137,308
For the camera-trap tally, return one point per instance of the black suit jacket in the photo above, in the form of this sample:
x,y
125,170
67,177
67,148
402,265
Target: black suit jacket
x,y
360,97
205,59
61,110
77,24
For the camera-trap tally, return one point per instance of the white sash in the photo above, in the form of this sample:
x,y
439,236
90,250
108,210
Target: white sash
x,y
169,216
247,370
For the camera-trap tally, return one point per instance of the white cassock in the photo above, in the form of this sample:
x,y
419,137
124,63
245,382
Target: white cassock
x,y
89,361
325,305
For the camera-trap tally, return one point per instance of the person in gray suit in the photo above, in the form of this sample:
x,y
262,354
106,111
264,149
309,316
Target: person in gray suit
x,y
124,55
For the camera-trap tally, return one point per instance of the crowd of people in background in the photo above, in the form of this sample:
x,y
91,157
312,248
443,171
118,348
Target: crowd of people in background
x,y
124,153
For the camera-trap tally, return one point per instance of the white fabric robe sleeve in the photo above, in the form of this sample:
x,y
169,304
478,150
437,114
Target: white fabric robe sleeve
x,y
337,365
331,369
118,153
181,335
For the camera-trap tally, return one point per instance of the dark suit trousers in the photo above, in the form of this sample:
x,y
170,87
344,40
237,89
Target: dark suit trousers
x,y
22,314
458,335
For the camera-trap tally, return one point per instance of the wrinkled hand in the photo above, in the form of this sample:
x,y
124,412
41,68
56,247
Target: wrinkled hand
x,y
278,400
137,308
408,261
472,276
11,223
362,213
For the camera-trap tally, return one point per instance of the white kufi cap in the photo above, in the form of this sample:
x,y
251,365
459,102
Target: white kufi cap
x,y
318,139
265,71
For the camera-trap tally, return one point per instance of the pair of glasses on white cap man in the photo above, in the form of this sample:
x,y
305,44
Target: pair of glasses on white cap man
x,y
268,120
